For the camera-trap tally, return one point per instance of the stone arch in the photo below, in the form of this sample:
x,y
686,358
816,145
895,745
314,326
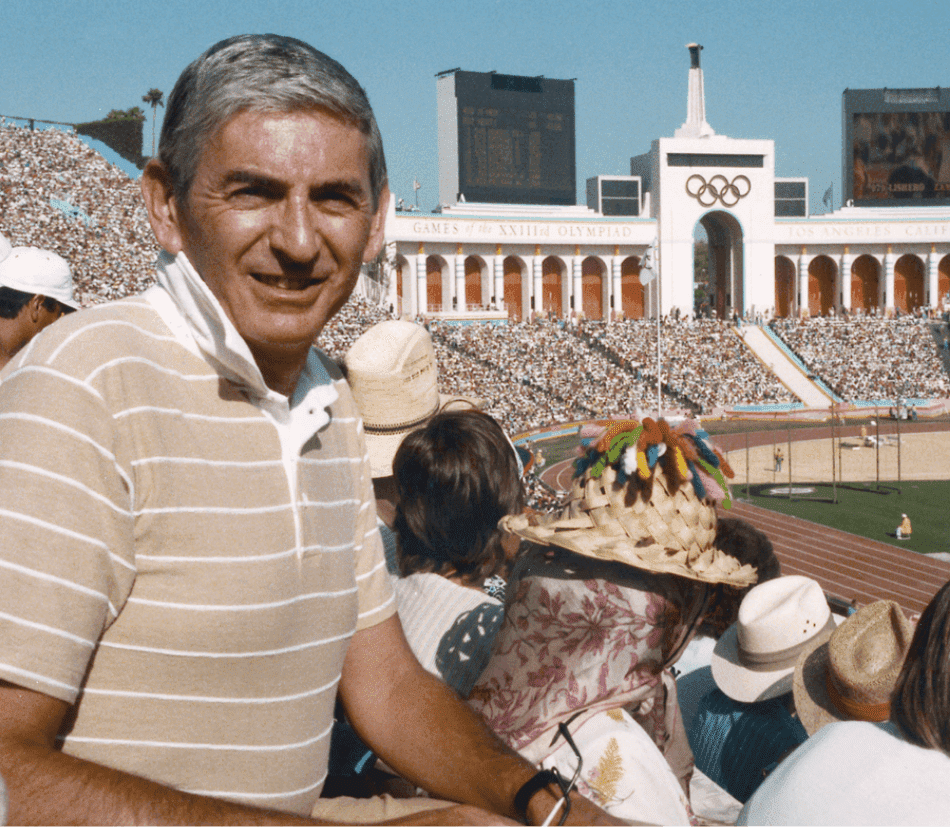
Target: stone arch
x,y
436,273
822,273
631,288
593,278
475,271
784,287
553,273
513,269
726,268
943,283
908,283
865,282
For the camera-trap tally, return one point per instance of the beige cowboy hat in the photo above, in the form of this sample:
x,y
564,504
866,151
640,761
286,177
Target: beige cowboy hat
x,y
852,674
650,518
755,658
392,372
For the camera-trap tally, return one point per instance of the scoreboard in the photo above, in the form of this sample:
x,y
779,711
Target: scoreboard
x,y
896,147
515,139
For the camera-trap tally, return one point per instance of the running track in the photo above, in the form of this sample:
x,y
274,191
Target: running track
x,y
845,565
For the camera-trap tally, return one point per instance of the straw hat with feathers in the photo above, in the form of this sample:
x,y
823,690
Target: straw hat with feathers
x,y
645,495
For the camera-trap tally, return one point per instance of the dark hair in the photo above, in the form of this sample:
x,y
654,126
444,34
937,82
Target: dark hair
x,y
750,546
456,478
260,73
13,301
920,705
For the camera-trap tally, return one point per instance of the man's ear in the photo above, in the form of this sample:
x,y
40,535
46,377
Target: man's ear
x,y
33,308
377,232
163,213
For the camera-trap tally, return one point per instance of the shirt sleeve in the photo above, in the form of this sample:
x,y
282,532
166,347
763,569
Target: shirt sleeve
x,y
66,554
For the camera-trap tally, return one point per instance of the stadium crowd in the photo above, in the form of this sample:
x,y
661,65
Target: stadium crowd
x,y
867,358
703,361
100,226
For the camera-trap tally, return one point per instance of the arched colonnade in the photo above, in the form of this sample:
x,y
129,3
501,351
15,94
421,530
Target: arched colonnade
x,y
596,286
818,284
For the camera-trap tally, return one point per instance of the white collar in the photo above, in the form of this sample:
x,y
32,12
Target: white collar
x,y
197,319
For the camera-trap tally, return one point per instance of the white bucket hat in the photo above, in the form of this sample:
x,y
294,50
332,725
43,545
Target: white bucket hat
x,y
38,272
392,372
755,658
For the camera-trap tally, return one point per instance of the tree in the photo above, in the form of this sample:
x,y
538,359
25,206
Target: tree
x,y
154,98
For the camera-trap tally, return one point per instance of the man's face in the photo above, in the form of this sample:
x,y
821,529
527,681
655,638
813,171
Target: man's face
x,y
17,332
277,222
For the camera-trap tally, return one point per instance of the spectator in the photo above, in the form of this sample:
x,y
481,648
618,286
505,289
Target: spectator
x,y
748,722
193,517
870,770
36,289
455,479
600,609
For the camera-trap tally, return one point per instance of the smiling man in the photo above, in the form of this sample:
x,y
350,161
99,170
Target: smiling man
x,y
190,567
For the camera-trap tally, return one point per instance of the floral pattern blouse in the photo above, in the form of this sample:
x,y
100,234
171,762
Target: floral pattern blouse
x,y
581,636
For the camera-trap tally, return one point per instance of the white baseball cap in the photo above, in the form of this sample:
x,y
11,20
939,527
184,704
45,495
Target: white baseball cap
x,y
41,272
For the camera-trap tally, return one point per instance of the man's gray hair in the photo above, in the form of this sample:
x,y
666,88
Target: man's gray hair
x,y
260,73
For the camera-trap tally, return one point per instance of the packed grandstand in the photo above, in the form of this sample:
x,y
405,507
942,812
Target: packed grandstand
x,y
58,194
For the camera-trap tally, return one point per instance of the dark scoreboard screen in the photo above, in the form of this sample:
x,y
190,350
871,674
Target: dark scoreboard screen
x,y
896,147
516,139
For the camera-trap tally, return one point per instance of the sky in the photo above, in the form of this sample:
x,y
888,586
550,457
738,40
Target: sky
x,y
771,70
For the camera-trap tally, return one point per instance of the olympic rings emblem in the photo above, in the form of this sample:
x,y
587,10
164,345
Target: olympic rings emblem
x,y
718,188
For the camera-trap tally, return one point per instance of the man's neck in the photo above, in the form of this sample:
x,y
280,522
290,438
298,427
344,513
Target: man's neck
x,y
282,371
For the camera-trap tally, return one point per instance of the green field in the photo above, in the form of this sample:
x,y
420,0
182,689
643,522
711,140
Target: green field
x,y
868,512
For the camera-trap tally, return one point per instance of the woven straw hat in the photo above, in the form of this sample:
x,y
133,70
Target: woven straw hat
x,y
392,371
852,675
755,657
632,503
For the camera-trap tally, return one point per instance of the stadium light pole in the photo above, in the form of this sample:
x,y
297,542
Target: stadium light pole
x,y
648,272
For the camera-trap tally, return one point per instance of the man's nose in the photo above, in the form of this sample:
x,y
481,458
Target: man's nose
x,y
294,232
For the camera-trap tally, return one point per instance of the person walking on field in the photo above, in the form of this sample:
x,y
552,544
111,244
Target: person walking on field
x,y
779,455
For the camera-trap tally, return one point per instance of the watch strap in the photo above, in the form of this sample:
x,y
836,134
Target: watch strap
x,y
538,781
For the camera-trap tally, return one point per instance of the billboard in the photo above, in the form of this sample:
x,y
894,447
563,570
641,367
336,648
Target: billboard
x,y
514,139
897,147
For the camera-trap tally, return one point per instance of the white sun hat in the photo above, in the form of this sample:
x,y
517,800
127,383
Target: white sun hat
x,y
755,658
392,371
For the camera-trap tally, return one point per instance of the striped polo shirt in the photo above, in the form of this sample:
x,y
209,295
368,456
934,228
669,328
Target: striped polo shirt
x,y
180,557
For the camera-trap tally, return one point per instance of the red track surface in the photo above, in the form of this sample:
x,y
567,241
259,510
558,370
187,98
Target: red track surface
x,y
847,565
844,564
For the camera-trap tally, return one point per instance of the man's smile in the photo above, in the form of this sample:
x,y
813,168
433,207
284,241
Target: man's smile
x,y
283,281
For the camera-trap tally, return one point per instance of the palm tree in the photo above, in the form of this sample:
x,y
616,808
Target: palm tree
x,y
155,98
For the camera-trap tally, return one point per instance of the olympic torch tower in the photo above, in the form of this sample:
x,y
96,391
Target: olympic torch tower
x,y
726,185
695,126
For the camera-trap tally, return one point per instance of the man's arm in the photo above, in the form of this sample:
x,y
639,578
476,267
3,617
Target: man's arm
x,y
424,731
47,787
